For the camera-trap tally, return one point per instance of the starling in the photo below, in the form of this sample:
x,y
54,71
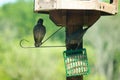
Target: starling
x,y
39,32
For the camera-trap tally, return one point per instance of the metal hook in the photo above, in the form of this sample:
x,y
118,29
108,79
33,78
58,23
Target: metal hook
x,y
43,41
21,43
36,47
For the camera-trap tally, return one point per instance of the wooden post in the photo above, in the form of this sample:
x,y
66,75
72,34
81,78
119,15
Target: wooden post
x,y
74,21
69,30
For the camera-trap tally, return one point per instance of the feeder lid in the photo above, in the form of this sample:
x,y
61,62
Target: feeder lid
x,y
105,8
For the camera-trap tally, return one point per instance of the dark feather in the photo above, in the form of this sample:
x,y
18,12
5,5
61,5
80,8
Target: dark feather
x,y
39,32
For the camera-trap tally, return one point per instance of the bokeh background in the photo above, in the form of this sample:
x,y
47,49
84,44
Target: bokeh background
x,y
17,20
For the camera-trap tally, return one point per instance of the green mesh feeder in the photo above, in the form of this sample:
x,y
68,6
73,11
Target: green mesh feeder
x,y
76,62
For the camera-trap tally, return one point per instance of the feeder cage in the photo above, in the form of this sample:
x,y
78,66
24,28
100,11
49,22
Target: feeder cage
x,y
76,62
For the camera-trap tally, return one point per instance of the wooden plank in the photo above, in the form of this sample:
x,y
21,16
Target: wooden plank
x,y
79,5
75,78
108,8
83,17
69,30
44,5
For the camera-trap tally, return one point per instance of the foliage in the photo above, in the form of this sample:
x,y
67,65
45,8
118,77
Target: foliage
x,y
17,21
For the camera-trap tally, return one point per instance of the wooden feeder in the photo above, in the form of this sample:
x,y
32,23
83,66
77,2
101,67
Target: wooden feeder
x,y
85,12
74,15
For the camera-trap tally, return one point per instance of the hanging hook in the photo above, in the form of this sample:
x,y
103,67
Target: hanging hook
x,y
43,41
36,47
21,43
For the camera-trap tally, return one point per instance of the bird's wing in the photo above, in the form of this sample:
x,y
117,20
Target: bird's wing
x,y
42,32
39,33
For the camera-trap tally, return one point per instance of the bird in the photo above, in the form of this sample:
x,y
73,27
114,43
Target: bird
x,y
39,32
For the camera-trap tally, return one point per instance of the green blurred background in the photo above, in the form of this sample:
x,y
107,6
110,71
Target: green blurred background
x,y
17,21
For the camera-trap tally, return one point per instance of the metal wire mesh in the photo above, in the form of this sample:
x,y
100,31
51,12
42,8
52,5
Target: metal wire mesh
x,y
76,62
